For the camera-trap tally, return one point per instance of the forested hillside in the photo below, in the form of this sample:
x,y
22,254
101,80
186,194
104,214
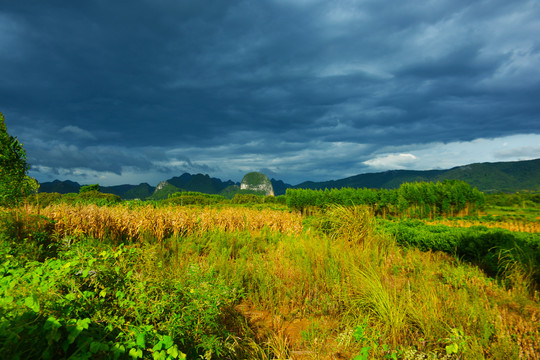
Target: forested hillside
x,y
488,177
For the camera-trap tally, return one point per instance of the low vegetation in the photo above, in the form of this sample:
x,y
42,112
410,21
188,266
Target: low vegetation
x,y
238,282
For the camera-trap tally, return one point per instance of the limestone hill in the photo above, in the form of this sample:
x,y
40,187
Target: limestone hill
x,y
258,182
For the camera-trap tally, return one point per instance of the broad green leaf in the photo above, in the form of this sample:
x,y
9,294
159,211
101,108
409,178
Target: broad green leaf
x,y
452,349
83,323
158,346
135,353
95,347
119,349
88,294
51,323
13,283
173,352
57,336
168,341
72,336
32,302
140,340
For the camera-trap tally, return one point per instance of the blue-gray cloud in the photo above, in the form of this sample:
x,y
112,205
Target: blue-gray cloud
x,y
109,86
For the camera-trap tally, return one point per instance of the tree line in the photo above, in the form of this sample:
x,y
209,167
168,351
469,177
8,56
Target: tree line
x,y
417,199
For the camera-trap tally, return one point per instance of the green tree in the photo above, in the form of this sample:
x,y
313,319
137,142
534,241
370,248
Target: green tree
x,y
14,183
86,188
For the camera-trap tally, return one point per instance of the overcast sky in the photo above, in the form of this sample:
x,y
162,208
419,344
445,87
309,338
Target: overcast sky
x,y
116,92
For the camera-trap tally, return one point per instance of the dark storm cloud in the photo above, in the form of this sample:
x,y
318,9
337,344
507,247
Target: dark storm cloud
x,y
279,85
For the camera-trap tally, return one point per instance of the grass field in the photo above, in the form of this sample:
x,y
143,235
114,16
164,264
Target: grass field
x,y
82,281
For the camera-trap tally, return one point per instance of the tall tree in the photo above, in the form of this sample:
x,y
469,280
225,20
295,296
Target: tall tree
x,y
13,168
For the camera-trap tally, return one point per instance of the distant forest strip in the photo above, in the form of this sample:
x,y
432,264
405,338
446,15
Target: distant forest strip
x,y
448,198
419,199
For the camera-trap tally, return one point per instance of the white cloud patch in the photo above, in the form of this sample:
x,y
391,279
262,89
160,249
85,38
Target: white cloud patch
x,y
78,132
391,161
438,155
520,152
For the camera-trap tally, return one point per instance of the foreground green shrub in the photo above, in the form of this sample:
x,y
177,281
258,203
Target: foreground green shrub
x,y
95,301
30,236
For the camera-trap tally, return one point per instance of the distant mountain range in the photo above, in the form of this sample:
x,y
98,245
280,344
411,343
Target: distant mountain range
x,y
488,177
186,182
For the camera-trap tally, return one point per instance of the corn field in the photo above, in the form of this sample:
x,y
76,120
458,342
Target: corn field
x,y
120,223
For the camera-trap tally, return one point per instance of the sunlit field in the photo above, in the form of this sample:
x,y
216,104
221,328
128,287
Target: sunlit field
x,y
262,282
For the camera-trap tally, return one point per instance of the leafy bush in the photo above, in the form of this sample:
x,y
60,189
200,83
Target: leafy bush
x,y
86,188
193,198
44,199
95,301
529,199
88,196
95,197
247,199
31,236
279,199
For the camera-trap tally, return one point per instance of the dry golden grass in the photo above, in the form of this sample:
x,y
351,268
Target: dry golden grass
x,y
512,225
148,223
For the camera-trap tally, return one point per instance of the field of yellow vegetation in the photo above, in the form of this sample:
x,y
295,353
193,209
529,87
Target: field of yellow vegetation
x,y
122,223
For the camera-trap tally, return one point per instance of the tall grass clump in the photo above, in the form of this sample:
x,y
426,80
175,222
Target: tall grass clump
x,y
382,301
352,223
